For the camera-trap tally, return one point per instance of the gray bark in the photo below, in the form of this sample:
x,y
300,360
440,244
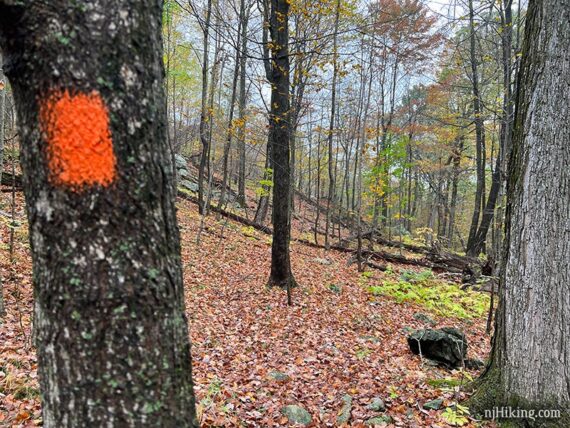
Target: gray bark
x,y
112,336
531,354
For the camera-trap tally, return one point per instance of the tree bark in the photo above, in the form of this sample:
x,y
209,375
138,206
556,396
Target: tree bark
x,y
112,336
331,195
241,109
531,353
230,130
505,132
479,133
279,129
204,114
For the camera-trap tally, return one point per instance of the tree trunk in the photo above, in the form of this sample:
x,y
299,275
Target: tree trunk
x,y
241,110
456,160
204,114
230,130
330,199
531,352
479,134
478,241
112,337
279,129
263,203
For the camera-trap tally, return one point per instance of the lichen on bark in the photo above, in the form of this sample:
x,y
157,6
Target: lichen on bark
x,y
112,337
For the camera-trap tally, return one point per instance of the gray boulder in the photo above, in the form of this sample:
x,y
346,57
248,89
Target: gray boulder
x,y
377,405
183,173
180,162
279,376
296,414
344,415
190,185
433,404
447,345
379,420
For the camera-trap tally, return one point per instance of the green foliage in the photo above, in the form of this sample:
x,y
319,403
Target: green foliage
x,y
446,383
414,277
265,184
248,231
362,353
335,288
438,296
456,415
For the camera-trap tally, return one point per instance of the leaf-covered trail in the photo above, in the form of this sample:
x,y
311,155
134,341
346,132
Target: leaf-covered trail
x,y
335,340
252,353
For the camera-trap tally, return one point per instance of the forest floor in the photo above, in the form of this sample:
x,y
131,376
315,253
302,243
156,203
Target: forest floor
x,y
253,354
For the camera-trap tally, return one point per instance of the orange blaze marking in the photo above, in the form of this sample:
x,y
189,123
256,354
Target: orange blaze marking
x,y
79,144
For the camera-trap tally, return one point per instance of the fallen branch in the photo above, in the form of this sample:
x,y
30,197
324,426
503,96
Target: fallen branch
x,y
228,214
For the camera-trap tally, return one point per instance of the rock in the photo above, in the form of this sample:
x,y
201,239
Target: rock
x,y
183,173
447,345
296,414
424,318
433,404
325,262
181,163
344,415
379,420
278,376
190,185
377,405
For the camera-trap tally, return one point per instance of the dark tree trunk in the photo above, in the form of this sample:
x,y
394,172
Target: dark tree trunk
x,y
531,352
230,130
479,133
112,337
279,129
478,242
241,108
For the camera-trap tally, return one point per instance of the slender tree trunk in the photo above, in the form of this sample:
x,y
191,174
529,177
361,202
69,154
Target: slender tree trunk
x,y
241,109
318,211
360,165
230,130
204,114
531,353
263,203
506,131
479,133
330,199
454,184
112,337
